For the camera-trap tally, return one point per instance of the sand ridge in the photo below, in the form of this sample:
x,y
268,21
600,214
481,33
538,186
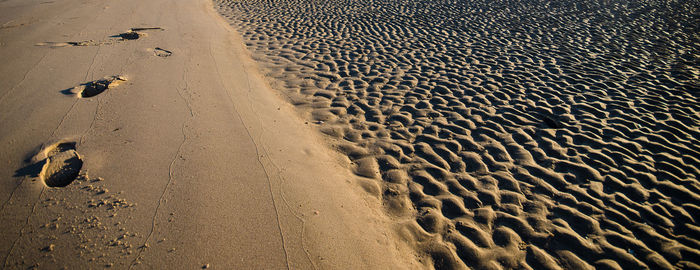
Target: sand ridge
x,y
504,134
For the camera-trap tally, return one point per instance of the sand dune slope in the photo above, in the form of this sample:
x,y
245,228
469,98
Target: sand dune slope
x,y
505,134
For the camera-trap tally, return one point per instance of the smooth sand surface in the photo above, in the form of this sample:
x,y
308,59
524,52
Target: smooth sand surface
x,y
504,134
139,134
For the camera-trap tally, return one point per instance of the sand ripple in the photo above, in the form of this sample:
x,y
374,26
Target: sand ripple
x,y
505,134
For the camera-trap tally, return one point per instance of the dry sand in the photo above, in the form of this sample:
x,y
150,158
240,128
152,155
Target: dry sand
x,y
504,134
139,134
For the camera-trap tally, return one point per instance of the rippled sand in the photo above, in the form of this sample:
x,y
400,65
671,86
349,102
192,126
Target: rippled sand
x,y
505,134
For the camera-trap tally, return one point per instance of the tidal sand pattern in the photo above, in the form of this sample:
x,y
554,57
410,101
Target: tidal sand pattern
x,y
505,134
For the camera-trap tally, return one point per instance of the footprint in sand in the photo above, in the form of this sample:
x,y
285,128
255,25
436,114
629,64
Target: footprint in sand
x,y
131,34
146,28
72,43
62,164
162,52
135,33
96,87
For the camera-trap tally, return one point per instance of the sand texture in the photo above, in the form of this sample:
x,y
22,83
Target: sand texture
x,y
504,134
139,134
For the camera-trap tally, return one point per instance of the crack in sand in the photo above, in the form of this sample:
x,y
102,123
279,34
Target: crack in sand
x,y
289,207
172,162
279,174
24,178
23,77
63,118
21,232
11,195
94,119
1,99
92,62
76,101
170,168
257,154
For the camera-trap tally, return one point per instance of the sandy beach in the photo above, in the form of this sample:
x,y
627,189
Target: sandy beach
x,y
139,134
299,134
